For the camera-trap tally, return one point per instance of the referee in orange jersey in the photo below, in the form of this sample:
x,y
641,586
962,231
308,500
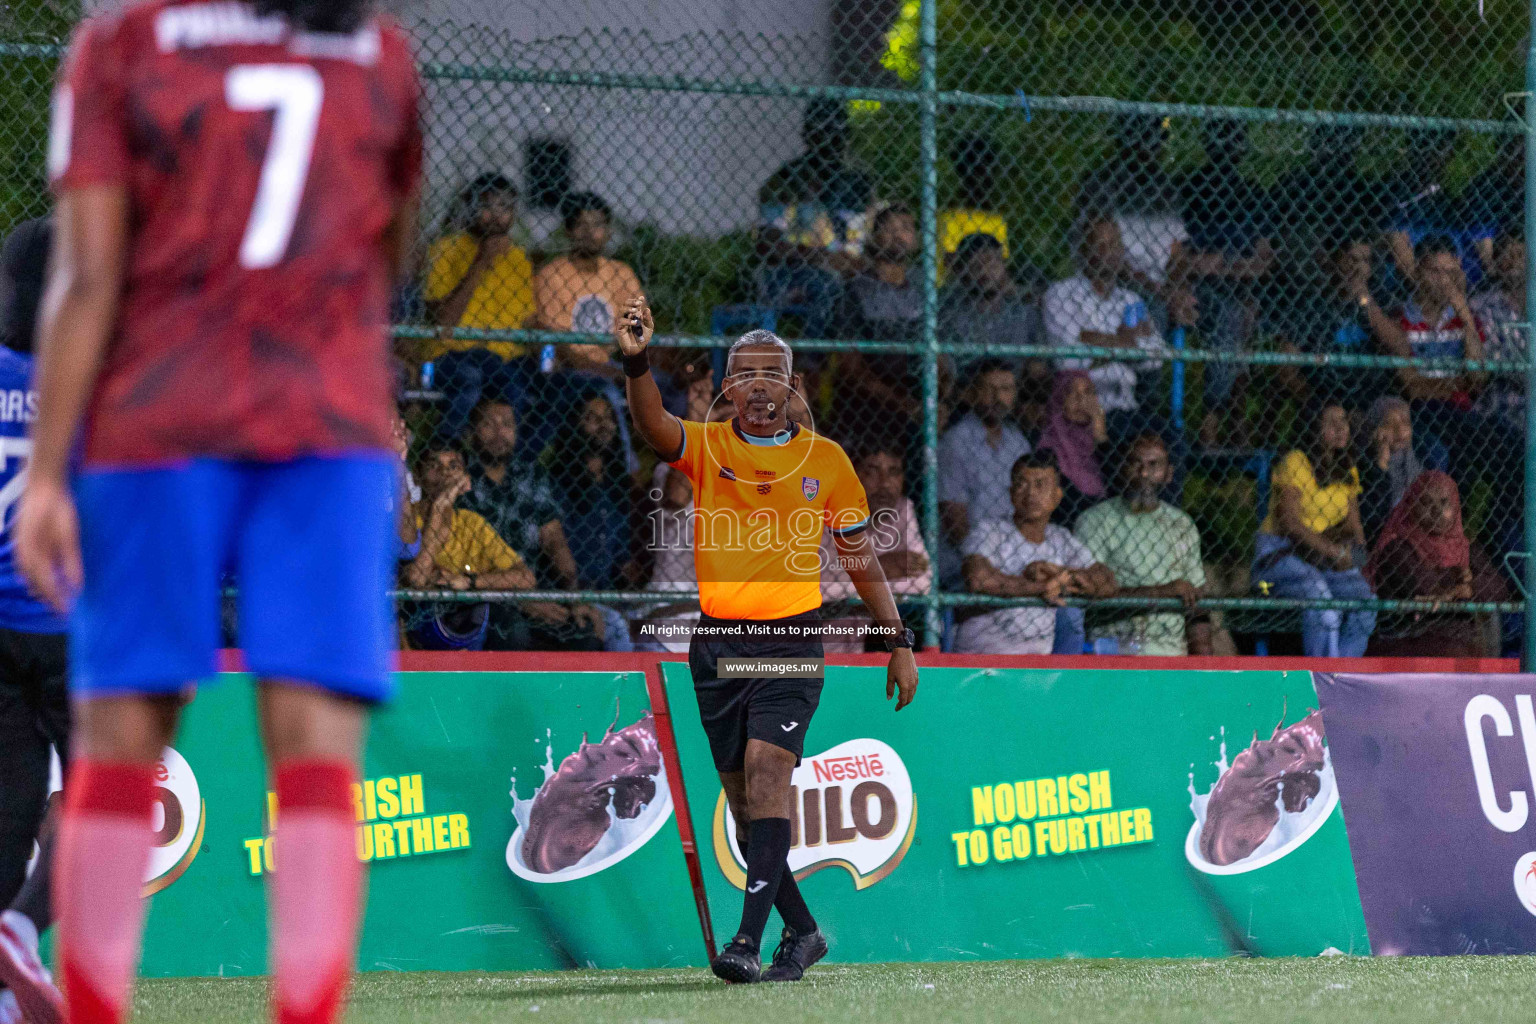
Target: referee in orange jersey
x,y
764,489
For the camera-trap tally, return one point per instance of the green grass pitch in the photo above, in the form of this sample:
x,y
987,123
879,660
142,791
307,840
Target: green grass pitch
x,y
1337,990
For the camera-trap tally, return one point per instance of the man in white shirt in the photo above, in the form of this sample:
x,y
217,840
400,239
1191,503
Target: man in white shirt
x,y
976,455
1133,187
1092,309
1027,556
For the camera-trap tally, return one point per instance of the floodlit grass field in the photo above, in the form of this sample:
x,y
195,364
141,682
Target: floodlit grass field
x,y
1337,990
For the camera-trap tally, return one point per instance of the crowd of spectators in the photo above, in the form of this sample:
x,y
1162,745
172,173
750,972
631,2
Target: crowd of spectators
x,y
1056,480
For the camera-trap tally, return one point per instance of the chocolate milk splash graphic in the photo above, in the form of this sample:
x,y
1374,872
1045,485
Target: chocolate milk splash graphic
x,y
601,800
1272,797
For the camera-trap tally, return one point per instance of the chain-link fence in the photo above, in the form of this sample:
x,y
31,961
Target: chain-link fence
x,y
1203,318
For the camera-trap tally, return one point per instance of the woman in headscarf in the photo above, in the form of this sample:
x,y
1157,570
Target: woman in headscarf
x,y
1390,461
1423,554
1075,431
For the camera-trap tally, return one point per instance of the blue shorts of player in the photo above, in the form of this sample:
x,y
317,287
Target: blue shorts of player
x,y
309,542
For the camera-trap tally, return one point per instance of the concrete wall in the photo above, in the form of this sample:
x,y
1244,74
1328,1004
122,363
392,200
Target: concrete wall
x,y
686,162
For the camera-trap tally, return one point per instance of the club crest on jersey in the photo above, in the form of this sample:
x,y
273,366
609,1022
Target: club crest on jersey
x,y
810,486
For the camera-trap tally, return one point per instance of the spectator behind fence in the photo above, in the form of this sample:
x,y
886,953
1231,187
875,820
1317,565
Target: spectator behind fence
x,y
812,219
1438,323
981,304
1026,556
1075,432
976,209
1391,462
1133,188
476,278
1420,207
885,302
1154,551
1327,308
582,291
1228,251
897,538
879,396
587,465
516,497
1312,545
976,456
1423,554
1500,312
1092,309
459,551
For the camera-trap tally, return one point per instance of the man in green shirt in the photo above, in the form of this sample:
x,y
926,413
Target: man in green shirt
x,y
1154,551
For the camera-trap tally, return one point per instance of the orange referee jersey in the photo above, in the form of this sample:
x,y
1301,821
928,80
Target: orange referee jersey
x,y
760,505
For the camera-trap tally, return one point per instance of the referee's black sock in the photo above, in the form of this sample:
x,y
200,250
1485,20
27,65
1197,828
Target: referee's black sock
x,y
767,858
791,905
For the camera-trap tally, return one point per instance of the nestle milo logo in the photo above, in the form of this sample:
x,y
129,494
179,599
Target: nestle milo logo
x,y
853,808
178,820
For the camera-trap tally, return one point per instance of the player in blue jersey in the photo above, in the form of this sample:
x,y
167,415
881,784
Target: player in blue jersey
x,y
34,703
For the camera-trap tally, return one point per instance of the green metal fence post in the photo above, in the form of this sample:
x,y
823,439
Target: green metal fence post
x,y
929,85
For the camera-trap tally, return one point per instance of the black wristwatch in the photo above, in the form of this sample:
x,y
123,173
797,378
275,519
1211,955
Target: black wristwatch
x,y
906,639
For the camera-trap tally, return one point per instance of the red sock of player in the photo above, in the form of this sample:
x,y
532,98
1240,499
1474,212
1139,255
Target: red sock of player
x,y
315,891
103,851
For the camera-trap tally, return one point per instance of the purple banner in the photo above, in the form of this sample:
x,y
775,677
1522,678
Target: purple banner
x,y
1437,776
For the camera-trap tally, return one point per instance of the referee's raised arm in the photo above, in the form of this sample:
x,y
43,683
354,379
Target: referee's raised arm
x,y
633,330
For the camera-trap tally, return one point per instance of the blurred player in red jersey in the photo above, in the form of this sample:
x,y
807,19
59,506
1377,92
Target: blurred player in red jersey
x,y
236,183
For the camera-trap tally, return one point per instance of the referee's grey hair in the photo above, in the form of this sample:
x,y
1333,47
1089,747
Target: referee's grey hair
x,y
757,340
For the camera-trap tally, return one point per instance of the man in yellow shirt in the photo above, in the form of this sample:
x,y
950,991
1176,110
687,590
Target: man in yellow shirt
x,y
476,278
764,487
459,549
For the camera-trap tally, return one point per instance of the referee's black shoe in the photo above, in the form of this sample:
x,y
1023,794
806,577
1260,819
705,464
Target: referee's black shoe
x,y
795,954
738,962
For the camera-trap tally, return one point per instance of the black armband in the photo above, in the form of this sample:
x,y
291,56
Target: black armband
x,y
637,365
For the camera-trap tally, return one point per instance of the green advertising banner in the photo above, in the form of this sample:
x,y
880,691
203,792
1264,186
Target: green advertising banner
x,y
1037,813
510,821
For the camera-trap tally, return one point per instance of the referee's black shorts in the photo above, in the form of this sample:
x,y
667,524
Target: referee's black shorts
x,y
774,709
34,712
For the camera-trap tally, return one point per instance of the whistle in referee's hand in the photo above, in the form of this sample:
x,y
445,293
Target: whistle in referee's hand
x,y
637,328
